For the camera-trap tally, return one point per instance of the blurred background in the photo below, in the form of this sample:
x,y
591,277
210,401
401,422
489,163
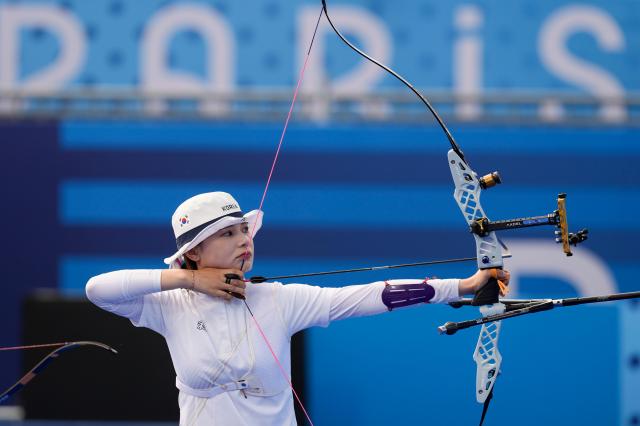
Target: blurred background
x,y
113,112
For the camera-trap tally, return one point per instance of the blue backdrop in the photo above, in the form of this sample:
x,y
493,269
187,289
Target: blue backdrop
x,y
82,198
581,47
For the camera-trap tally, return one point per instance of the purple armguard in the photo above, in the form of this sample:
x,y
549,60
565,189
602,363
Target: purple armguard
x,y
400,295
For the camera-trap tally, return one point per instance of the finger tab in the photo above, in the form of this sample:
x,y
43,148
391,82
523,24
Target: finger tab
x,y
230,277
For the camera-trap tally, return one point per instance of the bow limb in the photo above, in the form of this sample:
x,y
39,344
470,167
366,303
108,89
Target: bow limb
x,y
404,81
44,363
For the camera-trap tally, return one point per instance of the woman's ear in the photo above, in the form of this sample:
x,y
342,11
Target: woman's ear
x,y
193,254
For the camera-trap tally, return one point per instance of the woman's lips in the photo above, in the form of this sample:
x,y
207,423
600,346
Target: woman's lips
x,y
245,256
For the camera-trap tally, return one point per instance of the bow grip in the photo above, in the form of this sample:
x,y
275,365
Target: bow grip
x,y
489,294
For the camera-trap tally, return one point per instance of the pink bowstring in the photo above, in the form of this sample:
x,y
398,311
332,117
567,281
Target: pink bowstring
x,y
264,196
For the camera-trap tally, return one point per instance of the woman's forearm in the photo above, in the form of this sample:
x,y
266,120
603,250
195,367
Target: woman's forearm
x,y
119,286
171,279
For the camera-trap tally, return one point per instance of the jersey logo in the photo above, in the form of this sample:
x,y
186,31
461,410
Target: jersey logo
x,y
201,326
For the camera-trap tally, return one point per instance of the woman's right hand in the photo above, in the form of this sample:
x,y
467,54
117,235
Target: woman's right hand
x,y
213,281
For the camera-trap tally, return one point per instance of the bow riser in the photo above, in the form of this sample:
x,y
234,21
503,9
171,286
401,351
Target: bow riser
x,y
487,355
489,255
467,195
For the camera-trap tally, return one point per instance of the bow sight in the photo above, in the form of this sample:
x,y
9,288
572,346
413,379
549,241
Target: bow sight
x,y
483,226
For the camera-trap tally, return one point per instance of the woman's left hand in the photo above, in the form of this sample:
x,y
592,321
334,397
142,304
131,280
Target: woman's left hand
x,y
478,280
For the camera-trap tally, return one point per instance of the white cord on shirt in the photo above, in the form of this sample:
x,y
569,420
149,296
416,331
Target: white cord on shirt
x,y
234,348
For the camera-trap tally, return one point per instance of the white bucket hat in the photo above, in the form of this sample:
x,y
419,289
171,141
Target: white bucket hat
x,y
203,215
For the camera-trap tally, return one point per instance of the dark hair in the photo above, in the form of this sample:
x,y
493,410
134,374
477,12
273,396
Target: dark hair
x,y
189,264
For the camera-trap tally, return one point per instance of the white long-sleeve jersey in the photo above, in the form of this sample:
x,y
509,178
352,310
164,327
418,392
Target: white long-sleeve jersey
x,y
214,344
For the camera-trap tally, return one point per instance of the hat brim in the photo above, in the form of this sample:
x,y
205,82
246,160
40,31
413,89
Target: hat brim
x,y
253,219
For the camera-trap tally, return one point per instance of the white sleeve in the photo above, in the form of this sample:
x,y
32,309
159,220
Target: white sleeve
x,y
134,294
357,301
363,300
305,306
446,290
308,306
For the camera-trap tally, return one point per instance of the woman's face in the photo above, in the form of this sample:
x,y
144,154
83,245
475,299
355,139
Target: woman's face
x,y
227,248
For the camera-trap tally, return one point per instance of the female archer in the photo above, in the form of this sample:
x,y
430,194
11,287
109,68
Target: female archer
x,y
224,369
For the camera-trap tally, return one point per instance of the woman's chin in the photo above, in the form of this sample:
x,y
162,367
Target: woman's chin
x,y
244,265
248,264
